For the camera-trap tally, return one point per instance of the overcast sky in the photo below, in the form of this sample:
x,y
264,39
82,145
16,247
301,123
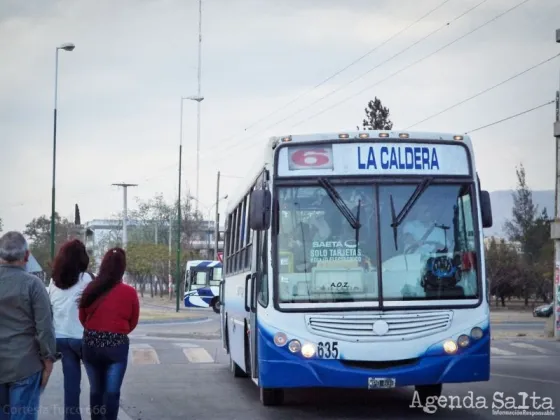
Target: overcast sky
x,y
120,89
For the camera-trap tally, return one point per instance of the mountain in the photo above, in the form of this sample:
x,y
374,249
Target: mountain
x,y
502,204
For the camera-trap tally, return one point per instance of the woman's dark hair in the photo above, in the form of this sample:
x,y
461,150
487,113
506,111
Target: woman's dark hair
x,y
110,274
70,262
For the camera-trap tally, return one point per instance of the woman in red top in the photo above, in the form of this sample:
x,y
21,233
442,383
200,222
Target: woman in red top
x,y
109,311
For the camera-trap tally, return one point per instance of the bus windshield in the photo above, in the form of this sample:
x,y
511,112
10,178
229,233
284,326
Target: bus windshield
x,y
429,255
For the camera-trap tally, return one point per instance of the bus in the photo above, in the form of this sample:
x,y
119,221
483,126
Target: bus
x,y
356,260
202,284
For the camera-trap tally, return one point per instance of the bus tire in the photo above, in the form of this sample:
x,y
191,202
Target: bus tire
x,y
428,391
236,370
271,396
215,304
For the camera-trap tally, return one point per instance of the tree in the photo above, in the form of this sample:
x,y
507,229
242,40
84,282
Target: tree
x,y
39,233
532,231
149,260
1,224
503,267
377,116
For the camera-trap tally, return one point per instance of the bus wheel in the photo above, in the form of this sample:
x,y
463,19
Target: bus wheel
x,y
216,305
272,396
236,370
428,391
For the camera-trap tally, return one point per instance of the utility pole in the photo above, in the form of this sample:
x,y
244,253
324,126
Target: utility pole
x,y
217,223
125,210
170,283
555,229
198,102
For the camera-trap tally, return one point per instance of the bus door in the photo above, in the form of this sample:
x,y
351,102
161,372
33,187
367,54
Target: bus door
x,y
258,275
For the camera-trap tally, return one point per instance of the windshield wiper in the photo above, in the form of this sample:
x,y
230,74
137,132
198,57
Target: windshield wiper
x,y
339,203
397,220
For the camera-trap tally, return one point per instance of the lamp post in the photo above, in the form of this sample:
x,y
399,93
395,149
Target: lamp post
x,y
178,268
65,47
198,98
555,229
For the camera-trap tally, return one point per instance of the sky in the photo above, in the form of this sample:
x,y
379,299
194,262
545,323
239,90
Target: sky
x,y
262,68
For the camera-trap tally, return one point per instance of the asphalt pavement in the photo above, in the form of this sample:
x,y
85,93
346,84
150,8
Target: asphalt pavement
x,y
178,377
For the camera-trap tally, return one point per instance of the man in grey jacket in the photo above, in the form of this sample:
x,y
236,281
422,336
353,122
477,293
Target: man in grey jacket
x,y
27,339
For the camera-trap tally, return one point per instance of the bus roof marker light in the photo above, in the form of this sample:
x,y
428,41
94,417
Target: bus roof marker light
x,y
343,136
458,138
286,139
363,135
294,346
477,333
383,134
404,135
450,347
308,350
280,339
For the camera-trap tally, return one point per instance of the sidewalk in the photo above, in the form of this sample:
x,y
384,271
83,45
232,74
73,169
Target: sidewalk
x,y
52,400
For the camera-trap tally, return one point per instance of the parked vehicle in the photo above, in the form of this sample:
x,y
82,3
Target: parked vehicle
x,y
543,310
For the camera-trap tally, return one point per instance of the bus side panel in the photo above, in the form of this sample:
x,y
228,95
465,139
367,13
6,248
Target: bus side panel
x,y
235,317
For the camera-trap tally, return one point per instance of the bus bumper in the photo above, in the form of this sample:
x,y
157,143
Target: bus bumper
x,y
278,368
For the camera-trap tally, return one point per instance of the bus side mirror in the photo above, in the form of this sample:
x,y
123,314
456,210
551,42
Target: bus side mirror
x,y
259,210
486,209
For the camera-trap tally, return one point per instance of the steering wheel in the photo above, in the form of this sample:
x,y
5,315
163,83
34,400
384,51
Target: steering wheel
x,y
415,246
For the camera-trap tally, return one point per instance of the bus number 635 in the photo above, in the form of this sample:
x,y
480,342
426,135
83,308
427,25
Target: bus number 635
x,y
327,350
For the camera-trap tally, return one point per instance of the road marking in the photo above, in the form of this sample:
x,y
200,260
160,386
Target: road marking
x,y
523,378
198,355
495,350
123,415
529,347
143,354
185,345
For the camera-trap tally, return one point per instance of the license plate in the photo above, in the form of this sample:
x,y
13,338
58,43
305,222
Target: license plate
x,y
381,383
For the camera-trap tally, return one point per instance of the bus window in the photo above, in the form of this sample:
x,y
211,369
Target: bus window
x,y
200,280
216,276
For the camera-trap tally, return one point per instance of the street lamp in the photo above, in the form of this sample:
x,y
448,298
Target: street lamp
x,y
178,269
65,47
197,99
555,230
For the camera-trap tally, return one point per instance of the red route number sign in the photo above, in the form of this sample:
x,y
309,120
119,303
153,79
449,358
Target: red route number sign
x,y
310,158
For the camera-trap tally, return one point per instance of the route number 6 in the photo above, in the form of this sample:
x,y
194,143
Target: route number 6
x,y
310,158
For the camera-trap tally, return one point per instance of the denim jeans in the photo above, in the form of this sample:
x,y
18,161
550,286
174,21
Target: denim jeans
x,y
105,367
71,349
20,400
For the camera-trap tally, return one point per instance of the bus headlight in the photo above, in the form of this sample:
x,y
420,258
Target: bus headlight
x,y
308,350
477,333
450,346
463,341
294,346
280,339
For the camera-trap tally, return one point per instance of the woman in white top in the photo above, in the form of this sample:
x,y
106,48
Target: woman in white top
x,y
69,279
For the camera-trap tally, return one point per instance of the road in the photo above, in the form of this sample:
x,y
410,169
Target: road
x,y
179,377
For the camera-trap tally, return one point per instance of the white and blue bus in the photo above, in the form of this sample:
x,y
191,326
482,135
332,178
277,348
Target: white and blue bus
x,y
202,284
356,260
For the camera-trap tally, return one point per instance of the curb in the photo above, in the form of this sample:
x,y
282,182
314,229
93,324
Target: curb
x,y
199,336
172,320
